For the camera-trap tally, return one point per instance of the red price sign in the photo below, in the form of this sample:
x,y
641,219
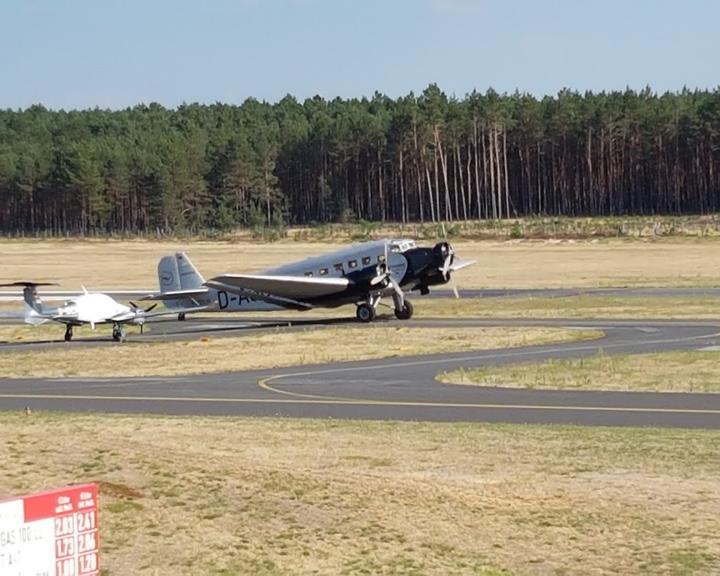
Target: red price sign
x,y
51,534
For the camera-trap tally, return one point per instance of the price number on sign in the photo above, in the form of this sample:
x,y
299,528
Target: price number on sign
x,y
86,521
64,526
86,542
87,563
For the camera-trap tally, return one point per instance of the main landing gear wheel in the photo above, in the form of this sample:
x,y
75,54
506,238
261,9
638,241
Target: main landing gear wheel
x,y
365,313
181,316
118,334
68,333
406,312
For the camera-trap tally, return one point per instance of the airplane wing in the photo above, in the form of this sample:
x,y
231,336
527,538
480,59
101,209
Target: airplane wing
x,y
176,294
288,291
64,318
132,317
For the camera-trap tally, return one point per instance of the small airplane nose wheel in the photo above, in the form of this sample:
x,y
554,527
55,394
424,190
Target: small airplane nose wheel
x,y
365,313
406,312
181,316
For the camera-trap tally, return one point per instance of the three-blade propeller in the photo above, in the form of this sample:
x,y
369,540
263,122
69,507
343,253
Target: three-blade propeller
x,y
451,264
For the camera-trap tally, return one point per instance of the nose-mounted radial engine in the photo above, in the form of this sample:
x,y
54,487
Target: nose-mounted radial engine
x,y
433,266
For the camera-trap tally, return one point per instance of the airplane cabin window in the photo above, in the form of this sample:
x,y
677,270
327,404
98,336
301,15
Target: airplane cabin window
x,y
308,273
381,258
338,267
352,263
366,260
323,271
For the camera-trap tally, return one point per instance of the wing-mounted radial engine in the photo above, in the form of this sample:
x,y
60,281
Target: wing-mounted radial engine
x,y
371,278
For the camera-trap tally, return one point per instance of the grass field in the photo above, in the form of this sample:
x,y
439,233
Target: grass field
x,y
103,264
208,355
272,496
589,306
686,371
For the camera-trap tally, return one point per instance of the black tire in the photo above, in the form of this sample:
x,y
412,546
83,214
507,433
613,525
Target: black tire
x,y
365,313
181,316
406,312
68,334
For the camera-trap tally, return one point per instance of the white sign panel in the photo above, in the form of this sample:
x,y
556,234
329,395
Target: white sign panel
x,y
51,534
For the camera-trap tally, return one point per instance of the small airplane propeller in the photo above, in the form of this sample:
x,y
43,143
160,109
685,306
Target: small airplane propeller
x,y
139,313
447,267
137,308
386,274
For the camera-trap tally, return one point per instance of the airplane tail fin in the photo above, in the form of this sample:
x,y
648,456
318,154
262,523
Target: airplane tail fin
x,y
190,278
168,274
177,272
34,316
34,308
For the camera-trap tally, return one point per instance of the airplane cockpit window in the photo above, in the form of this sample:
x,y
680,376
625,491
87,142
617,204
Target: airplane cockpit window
x,y
403,246
338,267
323,271
366,260
352,263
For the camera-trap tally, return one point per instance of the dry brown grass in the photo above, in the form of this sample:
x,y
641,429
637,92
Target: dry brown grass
x,y
590,306
687,371
269,350
274,496
104,264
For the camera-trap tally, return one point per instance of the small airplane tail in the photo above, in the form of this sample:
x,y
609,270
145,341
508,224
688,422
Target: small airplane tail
x,y
34,316
35,310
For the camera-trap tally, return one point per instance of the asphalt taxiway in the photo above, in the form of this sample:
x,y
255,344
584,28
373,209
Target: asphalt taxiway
x,y
395,388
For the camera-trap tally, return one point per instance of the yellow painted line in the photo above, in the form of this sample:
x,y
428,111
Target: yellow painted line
x,y
263,383
360,402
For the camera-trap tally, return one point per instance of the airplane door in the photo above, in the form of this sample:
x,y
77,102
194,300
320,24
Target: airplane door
x,y
398,265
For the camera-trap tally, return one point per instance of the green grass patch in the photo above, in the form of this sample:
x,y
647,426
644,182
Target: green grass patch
x,y
682,371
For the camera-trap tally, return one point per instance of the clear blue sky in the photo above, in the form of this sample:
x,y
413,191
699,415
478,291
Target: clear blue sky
x,y
116,53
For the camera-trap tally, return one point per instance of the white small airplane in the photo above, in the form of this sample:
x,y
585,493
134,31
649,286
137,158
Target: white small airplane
x,y
361,274
86,308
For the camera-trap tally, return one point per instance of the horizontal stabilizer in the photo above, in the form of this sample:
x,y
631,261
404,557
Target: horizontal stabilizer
x,y
26,284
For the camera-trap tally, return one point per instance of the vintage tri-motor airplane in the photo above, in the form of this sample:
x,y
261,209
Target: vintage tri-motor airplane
x,y
86,308
362,274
